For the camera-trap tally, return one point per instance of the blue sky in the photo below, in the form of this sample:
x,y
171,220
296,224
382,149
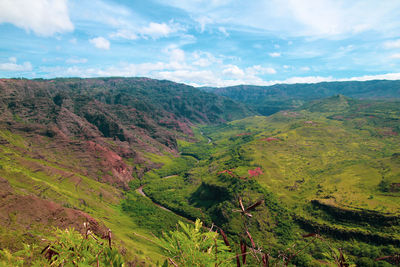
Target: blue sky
x,y
202,43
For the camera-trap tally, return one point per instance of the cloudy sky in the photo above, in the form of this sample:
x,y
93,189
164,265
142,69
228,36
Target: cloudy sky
x,y
202,42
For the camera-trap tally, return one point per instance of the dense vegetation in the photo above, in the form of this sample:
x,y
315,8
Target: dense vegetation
x,y
69,248
332,167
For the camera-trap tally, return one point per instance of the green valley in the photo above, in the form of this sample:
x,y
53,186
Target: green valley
x,y
90,150
331,167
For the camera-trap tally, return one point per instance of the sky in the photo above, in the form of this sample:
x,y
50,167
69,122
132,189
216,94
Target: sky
x,y
202,43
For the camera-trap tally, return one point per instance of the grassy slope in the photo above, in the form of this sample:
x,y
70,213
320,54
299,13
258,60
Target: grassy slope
x,y
28,175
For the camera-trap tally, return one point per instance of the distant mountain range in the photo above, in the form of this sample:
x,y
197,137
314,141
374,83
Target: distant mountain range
x,y
267,100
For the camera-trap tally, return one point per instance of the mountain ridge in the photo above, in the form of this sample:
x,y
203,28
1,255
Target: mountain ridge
x,y
269,99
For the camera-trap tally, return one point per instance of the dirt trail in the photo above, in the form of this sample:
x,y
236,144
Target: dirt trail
x,y
140,191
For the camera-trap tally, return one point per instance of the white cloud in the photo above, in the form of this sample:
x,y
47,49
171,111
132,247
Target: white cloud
x,y
152,30
392,44
233,70
176,54
73,41
387,76
395,56
76,60
12,65
274,54
307,79
156,30
222,75
100,42
223,30
99,12
203,21
204,59
318,79
305,68
125,34
257,69
43,17
202,62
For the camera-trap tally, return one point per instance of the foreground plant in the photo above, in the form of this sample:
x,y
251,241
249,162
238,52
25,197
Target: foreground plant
x,y
22,257
192,246
70,248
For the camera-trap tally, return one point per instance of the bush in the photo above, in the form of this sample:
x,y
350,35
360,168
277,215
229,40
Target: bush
x,y
191,246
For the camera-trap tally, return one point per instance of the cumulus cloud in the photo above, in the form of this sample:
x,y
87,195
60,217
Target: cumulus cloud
x,y
395,56
12,65
43,17
156,30
274,54
100,42
233,70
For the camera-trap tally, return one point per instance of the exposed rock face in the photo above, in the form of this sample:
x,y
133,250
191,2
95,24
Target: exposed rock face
x,y
102,122
24,211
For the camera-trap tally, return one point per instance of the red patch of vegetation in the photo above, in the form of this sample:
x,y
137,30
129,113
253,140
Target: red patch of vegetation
x,y
256,172
228,172
241,134
309,122
269,139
